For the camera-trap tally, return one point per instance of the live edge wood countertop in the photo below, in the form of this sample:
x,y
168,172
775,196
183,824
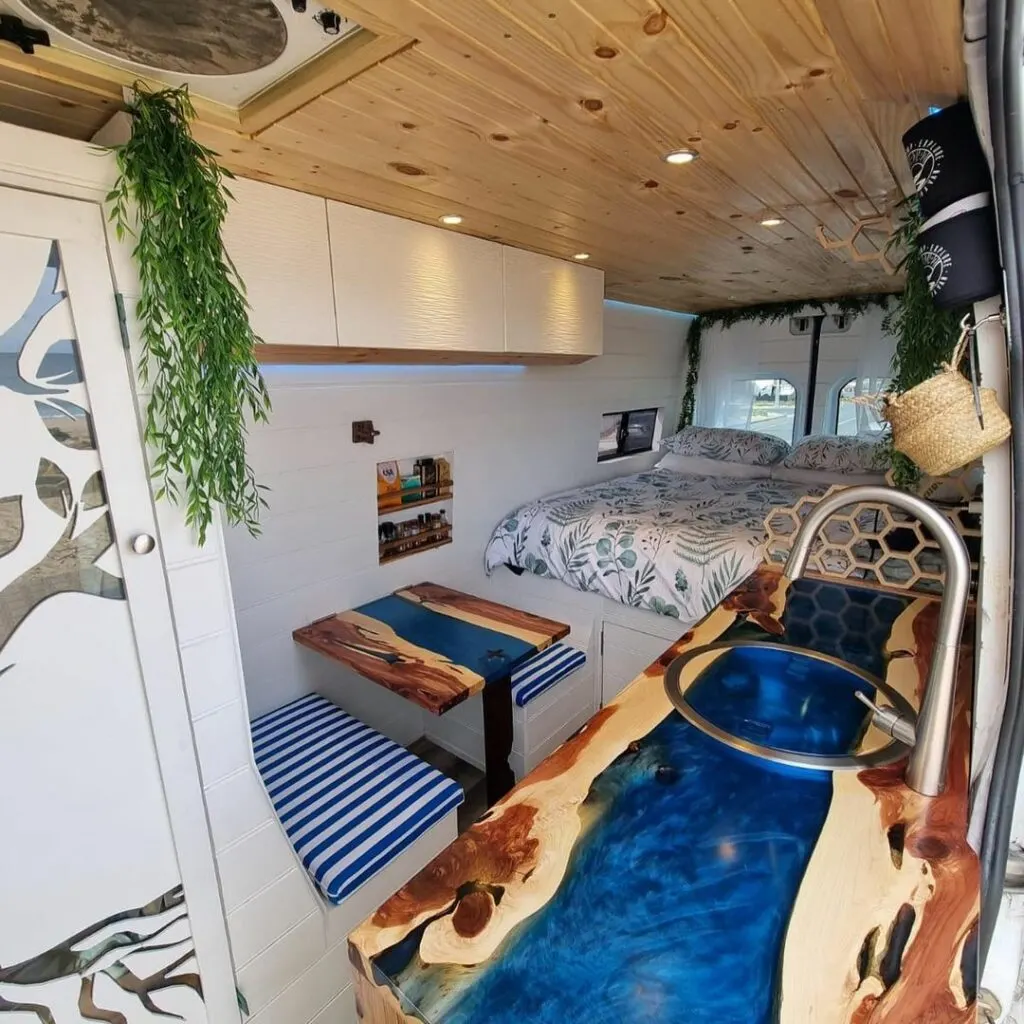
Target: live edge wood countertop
x,y
647,873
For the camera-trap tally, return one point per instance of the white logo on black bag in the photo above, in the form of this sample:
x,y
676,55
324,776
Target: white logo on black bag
x,y
925,159
937,264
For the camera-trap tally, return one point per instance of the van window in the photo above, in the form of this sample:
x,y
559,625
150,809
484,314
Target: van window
x,y
626,433
764,404
856,416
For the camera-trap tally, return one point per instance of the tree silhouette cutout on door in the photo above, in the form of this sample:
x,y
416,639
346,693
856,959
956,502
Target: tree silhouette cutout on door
x,y
56,538
54,522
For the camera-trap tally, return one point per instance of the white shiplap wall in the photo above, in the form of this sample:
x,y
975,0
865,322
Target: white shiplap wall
x,y
516,433
285,966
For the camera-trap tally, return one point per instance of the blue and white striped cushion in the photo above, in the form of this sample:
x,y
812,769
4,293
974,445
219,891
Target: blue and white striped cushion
x,y
543,670
349,798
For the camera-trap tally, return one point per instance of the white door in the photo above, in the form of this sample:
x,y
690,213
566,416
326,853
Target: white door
x,y
94,922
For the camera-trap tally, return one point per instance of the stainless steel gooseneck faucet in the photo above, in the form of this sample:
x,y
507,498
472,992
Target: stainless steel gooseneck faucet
x,y
926,771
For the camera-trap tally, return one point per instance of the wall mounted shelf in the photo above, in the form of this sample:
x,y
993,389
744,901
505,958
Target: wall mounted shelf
x,y
391,551
405,485
387,509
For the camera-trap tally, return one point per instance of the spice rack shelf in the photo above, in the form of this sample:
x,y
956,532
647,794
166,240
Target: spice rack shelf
x,y
406,488
391,551
387,509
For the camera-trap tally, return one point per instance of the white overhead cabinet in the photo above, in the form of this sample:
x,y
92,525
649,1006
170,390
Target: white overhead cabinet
x,y
277,239
326,274
399,284
552,307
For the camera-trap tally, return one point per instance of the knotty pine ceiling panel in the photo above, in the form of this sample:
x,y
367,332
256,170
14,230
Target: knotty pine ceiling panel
x,y
544,123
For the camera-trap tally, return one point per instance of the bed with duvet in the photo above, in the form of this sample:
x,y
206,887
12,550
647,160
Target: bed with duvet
x,y
676,539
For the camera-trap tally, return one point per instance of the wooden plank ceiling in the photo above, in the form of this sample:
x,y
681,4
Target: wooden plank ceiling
x,y
544,123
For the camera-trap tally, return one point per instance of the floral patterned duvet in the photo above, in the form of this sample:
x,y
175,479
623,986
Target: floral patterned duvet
x,y
672,543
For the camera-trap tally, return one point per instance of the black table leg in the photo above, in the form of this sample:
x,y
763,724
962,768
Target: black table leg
x,y
498,738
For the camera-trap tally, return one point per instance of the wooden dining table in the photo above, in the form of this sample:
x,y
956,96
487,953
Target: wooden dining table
x,y
437,647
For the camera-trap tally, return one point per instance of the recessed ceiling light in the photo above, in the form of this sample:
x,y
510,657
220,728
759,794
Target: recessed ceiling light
x,y
771,222
582,256
451,218
681,156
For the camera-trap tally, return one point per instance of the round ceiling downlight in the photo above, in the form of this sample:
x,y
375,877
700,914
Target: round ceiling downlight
x,y
681,156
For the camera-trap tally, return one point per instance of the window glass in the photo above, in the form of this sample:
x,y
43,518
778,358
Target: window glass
x,y
608,441
764,404
854,415
626,433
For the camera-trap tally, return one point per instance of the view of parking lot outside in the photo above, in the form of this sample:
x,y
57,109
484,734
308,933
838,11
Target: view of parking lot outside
x,y
768,406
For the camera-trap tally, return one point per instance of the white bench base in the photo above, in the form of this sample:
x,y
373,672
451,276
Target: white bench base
x,y
539,728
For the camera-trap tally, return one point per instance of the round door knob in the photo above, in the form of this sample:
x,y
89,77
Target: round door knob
x,y
143,543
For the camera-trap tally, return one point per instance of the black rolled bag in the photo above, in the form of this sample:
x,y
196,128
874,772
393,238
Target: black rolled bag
x,y
958,239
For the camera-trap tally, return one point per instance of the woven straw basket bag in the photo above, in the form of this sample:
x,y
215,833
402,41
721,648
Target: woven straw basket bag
x,y
946,421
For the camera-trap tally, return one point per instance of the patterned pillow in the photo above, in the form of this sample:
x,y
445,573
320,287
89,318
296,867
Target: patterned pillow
x,y
837,455
727,445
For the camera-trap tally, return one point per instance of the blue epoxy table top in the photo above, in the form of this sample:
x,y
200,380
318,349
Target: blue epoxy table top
x,y
431,644
486,651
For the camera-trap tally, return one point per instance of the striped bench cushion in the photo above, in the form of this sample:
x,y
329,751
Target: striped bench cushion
x,y
349,798
543,670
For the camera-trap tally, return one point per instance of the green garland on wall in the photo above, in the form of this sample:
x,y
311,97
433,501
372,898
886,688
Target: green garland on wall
x,y
766,313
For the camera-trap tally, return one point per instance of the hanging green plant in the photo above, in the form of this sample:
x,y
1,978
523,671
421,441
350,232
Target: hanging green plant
x,y
925,335
764,313
198,356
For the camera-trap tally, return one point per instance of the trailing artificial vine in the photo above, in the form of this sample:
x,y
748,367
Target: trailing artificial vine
x,y
925,335
766,313
197,345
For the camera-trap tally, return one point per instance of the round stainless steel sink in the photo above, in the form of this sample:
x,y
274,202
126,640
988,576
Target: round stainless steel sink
x,y
784,704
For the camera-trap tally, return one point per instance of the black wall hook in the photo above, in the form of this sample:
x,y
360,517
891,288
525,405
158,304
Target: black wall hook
x,y
363,432
14,30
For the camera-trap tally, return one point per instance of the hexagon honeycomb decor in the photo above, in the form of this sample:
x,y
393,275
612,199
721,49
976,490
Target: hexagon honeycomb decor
x,y
875,543
849,623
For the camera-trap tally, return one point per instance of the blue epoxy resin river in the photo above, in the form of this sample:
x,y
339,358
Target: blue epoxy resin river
x,y
675,904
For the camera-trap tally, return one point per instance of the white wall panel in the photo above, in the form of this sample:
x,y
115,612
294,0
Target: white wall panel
x,y
236,805
263,918
222,741
269,973
209,668
312,993
253,863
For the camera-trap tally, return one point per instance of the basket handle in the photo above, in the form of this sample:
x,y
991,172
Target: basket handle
x,y
966,330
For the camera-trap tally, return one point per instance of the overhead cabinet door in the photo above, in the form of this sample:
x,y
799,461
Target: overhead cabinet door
x,y
552,306
277,239
405,285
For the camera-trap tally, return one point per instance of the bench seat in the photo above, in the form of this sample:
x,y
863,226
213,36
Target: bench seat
x,y
543,671
349,799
